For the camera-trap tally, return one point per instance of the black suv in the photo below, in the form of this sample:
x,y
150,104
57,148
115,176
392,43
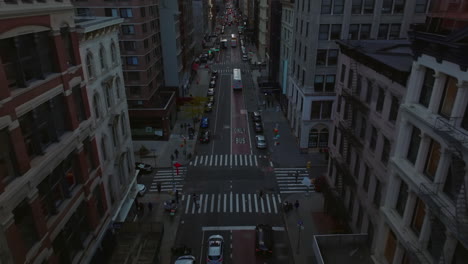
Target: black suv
x,y
256,116
263,239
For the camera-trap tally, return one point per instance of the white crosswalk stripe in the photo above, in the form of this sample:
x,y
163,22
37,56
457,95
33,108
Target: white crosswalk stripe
x,y
168,178
221,160
231,203
289,183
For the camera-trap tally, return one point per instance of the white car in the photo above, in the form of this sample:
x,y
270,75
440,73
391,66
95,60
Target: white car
x,y
185,260
141,189
215,250
210,92
261,142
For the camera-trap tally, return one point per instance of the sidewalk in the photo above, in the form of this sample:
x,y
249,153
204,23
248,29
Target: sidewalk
x,y
314,221
161,151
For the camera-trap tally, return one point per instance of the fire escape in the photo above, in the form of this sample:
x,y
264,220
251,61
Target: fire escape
x,y
352,105
445,215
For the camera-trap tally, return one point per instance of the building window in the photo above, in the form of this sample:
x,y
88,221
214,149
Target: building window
x,y
377,193
8,169
332,57
144,28
88,150
395,105
90,65
128,29
356,6
321,110
142,11
368,6
448,98
373,138
418,216
321,57
129,45
96,103
118,87
437,238
464,123
353,31
335,32
70,241
335,131
362,132
421,6
455,175
108,91
326,6
343,73
365,31
102,58
126,12
104,147
380,100
427,86
383,31
79,103
111,12
318,139
350,78
369,92
394,31
123,124
338,7
357,166
390,247
399,6
113,53
432,160
324,83
387,6
366,181
25,224
402,197
414,143
98,196
385,151
132,60
323,32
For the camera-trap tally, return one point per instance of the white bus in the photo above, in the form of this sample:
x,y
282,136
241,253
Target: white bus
x,y
233,40
236,80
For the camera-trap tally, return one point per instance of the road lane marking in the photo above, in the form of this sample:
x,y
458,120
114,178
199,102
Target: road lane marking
x,y
230,202
211,160
243,203
251,163
216,160
201,160
230,162
235,160
250,204
226,159
246,163
263,206
219,203
279,198
274,204
212,203
268,203
187,204
256,205
196,160
200,203
225,201
255,159
206,204
240,160
237,202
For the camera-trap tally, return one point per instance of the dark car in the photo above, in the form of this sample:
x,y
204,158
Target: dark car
x,y
143,167
211,99
264,239
204,122
212,84
205,136
256,116
258,127
213,78
215,73
208,107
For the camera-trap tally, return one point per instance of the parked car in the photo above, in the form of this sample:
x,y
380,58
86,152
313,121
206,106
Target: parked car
x,y
141,188
210,92
256,116
214,72
211,99
188,259
215,250
212,84
264,239
245,57
204,122
258,127
205,136
213,78
260,142
208,107
143,167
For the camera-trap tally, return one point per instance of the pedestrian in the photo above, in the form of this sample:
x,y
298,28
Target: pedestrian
x,y
176,152
261,194
172,158
296,204
158,185
150,206
177,196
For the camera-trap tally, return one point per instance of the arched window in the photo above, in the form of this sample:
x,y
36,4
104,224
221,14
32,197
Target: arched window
x,y
97,106
122,124
323,138
318,139
108,91
122,169
102,57
113,53
104,147
90,65
118,87
129,162
313,138
111,191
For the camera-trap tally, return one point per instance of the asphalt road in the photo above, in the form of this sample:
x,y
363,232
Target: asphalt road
x,y
228,196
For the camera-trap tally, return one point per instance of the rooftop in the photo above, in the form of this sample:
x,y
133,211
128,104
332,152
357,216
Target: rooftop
x,y
89,24
342,248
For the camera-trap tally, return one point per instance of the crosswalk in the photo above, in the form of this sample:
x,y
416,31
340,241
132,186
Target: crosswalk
x,y
232,203
219,160
168,179
286,179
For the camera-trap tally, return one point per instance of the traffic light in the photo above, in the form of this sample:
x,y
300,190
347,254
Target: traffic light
x,y
275,131
309,164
